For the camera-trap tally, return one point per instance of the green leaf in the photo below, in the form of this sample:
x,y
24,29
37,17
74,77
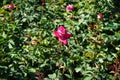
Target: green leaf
x,y
117,35
11,41
88,78
2,40
52,76
67,75
32,70
4,35
10,46
77,69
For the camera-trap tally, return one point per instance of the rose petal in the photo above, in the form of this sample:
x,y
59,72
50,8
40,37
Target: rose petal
x,y
61,30
56,34
63,41
67,36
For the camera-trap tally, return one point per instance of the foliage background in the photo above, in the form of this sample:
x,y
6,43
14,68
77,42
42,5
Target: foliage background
x,y
29,51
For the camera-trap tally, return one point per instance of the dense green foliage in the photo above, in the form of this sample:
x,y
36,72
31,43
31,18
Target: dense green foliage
x,y
30,51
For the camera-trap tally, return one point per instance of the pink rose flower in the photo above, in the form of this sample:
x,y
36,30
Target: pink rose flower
x,y
69,8
99,16
62,35
10,6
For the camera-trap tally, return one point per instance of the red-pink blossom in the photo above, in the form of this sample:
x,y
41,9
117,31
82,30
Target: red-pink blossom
x,y
69,8
99,16
10,6
62,34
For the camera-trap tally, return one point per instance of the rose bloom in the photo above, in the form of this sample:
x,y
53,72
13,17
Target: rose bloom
x,y
10,6
62,34
69,8
99,16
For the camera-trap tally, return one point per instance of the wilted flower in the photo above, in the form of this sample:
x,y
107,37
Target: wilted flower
x,y
10,6
92,26
69,8
99,16
62,35
34,41
40,75
115,67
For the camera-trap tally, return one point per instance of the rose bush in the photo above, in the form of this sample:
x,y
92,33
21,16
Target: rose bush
x,y
30,51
